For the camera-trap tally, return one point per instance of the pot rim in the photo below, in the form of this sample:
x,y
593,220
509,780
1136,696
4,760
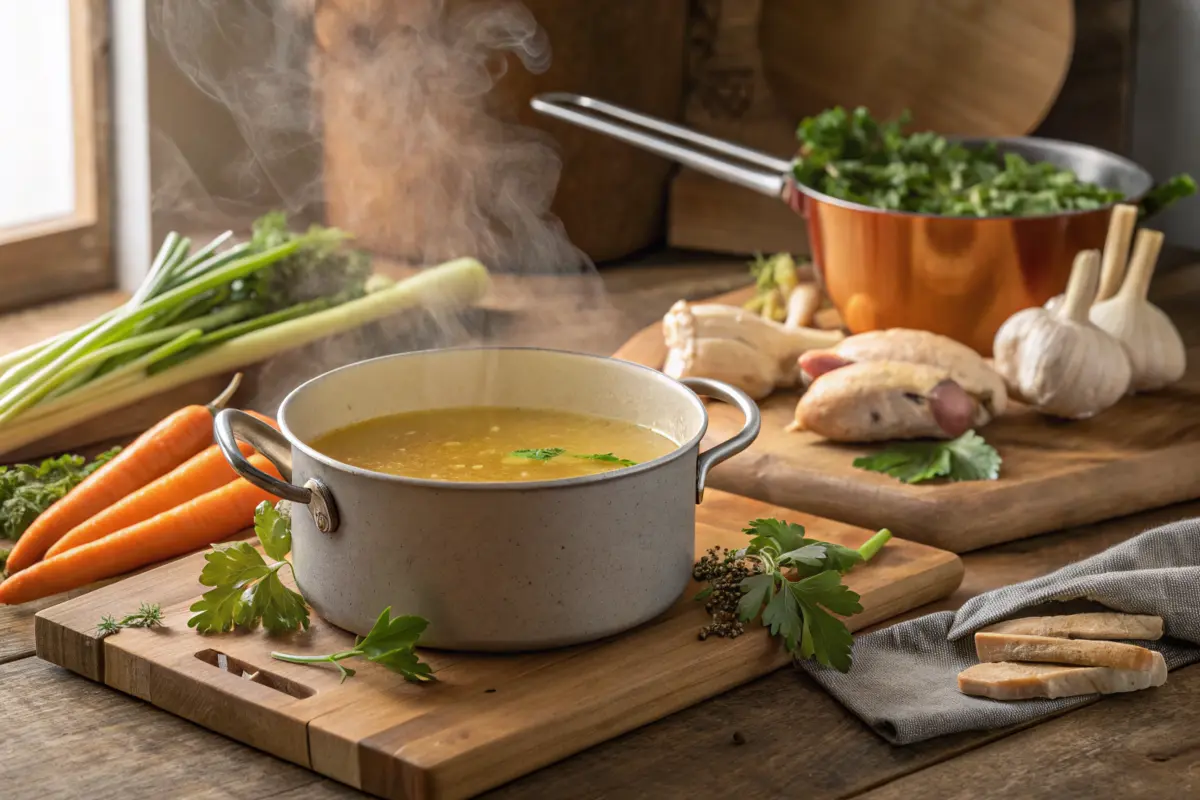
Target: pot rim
x,y
1060,144
582,480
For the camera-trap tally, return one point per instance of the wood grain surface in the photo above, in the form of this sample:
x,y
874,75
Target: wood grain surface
x,y
66,736
489,719
1138,455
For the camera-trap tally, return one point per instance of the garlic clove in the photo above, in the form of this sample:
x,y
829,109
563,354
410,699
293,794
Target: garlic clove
x,y
1156,352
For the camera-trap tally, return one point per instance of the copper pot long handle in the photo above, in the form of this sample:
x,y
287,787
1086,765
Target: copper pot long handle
x,y
639,130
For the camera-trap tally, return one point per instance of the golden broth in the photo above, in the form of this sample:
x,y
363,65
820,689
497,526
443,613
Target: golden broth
x,y
482,444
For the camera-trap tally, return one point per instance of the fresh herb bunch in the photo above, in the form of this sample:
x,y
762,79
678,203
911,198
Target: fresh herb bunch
x,y
852,156
390,643
967,458
148,615
793,582
247,589
27,490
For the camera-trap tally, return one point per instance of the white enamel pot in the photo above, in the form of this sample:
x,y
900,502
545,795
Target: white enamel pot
x,y
492,566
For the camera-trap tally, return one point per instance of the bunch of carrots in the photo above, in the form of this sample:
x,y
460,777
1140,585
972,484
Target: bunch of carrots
x,y
168,493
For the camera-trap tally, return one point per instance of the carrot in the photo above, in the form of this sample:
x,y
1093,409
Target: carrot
x,y
197,523
201,473
156,452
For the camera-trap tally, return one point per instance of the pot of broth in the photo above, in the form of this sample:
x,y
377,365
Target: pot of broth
x,y
516,498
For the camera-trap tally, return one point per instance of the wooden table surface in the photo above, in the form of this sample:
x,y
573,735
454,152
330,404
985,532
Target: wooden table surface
x,y
62,736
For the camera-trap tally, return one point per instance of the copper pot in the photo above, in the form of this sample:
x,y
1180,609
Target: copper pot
x,y
958,276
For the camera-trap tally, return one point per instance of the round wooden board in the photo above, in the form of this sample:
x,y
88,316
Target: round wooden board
x,y
970,67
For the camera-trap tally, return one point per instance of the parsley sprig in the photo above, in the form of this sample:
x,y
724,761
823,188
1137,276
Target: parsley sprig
x,y
967,458
247,589
148,615
793,583
548,453
390,643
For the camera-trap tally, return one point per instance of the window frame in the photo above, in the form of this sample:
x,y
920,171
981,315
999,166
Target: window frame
x,y
70,255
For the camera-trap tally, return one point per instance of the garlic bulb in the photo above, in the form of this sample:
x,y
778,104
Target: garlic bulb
x,y
1155,349
1059,362
1116,252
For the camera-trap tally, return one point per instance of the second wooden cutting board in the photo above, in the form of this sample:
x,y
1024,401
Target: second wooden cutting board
x,y
1139,454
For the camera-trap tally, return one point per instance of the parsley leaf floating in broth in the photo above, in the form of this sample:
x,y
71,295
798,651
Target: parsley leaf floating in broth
x,y
607,458
539,454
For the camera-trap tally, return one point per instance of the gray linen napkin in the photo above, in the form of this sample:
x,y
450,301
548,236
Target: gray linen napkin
x,y
903,682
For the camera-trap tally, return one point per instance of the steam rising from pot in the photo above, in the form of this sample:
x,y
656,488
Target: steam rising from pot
x,y
378,117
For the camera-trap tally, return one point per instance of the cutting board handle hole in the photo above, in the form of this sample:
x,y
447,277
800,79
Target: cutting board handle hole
x,y
241,669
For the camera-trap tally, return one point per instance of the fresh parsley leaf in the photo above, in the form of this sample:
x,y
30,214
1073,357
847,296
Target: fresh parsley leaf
x,y
246,591
148,615
389,643
784,617
757,591
608,458
4,551
840,558
828,637
274,528
810,555
539,454
27,490
826,589
972,459
967,458
782,536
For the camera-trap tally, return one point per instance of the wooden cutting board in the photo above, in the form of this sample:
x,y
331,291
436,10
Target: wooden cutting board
x,y
1140,454
489,719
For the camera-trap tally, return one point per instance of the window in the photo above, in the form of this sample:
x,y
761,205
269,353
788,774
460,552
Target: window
x,y
54,134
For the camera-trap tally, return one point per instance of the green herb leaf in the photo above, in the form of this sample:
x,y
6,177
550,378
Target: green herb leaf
x,y
27,490
4,551
967,458
246,591
148,615
389,643
829,638
273,525
607,458
757,591
784,617
782,536
539,454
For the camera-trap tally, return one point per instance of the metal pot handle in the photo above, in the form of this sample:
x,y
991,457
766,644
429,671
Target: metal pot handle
x,y
232,426
597,115
706,387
